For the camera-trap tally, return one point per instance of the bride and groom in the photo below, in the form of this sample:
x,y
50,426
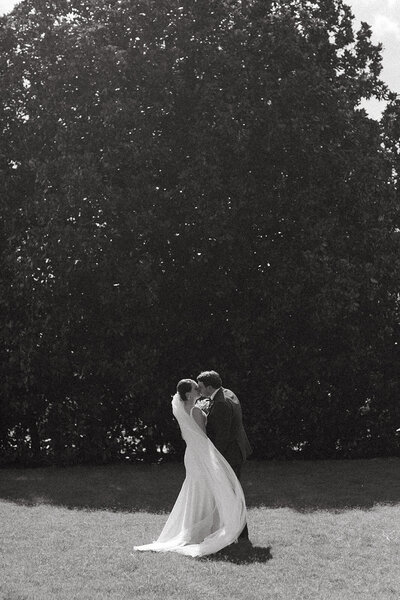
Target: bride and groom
x,y
210,511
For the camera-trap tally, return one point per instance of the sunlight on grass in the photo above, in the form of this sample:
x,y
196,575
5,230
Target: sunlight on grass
x,y
52,550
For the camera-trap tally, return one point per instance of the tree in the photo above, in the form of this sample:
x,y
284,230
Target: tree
x,y
192,184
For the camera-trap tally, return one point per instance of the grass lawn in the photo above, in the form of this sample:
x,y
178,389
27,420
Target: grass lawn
x,y
320,530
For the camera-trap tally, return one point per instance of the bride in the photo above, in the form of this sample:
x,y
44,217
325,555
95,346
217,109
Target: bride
x,y
210,510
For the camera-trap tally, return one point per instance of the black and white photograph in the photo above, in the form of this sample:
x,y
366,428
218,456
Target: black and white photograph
x,y
199,299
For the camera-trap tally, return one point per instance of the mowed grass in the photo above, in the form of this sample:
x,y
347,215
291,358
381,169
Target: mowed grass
x,y
319,530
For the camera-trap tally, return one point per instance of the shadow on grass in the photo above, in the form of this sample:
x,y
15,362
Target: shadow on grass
x,y
241,554
300,485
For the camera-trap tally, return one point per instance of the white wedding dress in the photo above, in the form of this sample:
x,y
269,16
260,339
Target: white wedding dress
x,y
210,511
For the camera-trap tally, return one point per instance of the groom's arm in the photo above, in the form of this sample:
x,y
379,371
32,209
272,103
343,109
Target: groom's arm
x,y
221,425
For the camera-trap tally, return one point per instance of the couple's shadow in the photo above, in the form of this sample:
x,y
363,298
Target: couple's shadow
x,y
241,553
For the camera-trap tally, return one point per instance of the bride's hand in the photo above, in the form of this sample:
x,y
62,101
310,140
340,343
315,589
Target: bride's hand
x,y
202,403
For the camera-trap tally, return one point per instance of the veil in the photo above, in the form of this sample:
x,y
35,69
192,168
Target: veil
x,y
210,510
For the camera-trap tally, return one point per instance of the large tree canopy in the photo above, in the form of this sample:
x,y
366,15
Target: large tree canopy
x,y
187,185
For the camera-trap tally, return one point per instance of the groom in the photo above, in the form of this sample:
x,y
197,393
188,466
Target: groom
x,y
224,424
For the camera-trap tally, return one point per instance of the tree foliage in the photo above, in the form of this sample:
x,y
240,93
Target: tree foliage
x,y
188,185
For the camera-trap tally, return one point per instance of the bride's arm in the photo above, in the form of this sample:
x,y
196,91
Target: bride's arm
x,y
199,417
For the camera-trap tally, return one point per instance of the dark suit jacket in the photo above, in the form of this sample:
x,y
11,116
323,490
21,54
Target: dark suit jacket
x,y
225,427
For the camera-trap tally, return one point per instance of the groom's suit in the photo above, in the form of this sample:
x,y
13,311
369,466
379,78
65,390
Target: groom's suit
x,y
225,429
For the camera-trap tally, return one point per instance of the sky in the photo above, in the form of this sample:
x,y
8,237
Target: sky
x,y
384,18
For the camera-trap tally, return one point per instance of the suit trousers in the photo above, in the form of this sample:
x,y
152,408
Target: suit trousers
x,y
238,472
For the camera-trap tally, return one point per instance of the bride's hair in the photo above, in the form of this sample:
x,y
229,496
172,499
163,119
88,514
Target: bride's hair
x,y
184,386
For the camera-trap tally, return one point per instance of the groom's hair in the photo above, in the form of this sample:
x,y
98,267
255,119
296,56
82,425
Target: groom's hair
x,y
184,386
210,378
